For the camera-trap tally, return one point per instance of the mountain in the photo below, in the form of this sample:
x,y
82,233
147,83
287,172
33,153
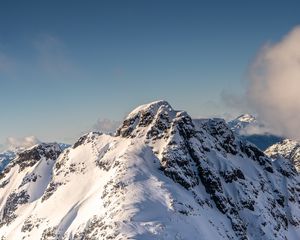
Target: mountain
x,y
288,149
9,155
252,130
241,122
161,176
5,158
64,146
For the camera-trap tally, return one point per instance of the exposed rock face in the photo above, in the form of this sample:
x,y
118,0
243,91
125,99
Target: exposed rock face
x,y
17,193
30,157
287,149
162,176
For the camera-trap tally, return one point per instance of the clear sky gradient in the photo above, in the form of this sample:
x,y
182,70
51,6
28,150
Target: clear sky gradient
x,y
65,64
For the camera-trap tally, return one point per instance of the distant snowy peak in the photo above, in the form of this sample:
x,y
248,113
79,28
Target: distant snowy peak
x,y
254,130
242,122
246,118
288,149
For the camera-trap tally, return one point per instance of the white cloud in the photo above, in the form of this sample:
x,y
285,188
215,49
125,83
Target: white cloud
x,y
274,86
13,143
106,125
51,55
255,129
236,102
6,63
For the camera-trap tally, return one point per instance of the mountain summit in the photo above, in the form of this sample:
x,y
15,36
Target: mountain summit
x,y
161,176
241,122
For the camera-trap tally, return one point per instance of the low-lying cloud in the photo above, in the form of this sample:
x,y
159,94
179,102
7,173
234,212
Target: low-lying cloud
x,y
5,63
106,126
13,143
256,129
274,85
51,55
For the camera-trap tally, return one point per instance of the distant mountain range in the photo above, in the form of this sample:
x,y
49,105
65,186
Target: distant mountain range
x,y
162,175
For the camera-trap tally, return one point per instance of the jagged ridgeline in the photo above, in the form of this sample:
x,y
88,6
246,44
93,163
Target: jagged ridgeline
x,y
161,176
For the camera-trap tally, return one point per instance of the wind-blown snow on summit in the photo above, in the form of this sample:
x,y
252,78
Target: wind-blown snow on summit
x,y
162,176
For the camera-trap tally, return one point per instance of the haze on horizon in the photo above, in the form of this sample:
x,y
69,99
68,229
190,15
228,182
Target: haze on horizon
x,y
66,69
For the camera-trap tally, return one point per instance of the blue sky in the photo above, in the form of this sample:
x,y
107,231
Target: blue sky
x,y
66,64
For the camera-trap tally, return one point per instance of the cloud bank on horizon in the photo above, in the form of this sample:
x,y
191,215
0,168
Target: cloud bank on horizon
x,y
274,85
13,143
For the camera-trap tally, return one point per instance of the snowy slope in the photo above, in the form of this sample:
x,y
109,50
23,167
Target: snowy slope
x,y
162,176
287,149
254,131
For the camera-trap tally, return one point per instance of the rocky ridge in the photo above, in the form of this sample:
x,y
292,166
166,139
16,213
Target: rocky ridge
x,y
162,176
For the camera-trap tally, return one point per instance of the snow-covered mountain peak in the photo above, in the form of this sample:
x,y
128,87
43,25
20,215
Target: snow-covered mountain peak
x,y
162,176
86,138
286,144
254,130
149,120
150,107
25,178
41,150
288,149
242,121
246,118
29,157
